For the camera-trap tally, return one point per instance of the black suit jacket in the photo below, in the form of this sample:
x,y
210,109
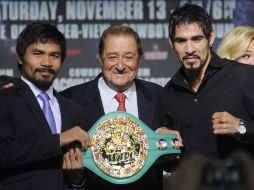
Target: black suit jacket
x,y
30,156
87,95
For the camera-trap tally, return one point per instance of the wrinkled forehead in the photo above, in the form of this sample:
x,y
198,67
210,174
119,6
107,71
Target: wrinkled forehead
x,y
120,42
111,37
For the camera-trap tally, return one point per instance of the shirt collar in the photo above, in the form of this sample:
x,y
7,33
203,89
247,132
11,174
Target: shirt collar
x,y
37,91
110,93
215,62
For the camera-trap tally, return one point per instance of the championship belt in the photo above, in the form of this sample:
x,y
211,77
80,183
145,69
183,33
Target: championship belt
x,y
123,148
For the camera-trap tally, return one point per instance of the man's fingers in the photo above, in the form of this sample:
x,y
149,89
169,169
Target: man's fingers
x,y
219,114
220,117
73,159
82,136
66,161
78,158
9,85
78,153
177,144
178,136
224,129
75,134
221,131
220,126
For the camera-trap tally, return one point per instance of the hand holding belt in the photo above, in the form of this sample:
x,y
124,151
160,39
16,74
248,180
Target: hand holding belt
x,y
123,148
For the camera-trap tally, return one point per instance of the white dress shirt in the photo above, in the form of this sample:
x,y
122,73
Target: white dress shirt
x,y
110,104
54,105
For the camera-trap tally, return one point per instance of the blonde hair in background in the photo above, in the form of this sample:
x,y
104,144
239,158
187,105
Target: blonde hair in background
x,y
236,42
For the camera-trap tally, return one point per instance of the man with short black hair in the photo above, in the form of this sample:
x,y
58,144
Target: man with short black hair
x,y
36,123
209,101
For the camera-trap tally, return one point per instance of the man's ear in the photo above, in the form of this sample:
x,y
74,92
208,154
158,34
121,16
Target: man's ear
x,y
19,60
140,59
100,60
171,43
212,38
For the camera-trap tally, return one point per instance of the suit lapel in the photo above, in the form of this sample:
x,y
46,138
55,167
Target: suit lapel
x,y
32,103
145,107
64,109
95,108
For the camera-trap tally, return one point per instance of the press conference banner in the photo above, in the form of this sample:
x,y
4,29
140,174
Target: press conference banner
x,y
82,22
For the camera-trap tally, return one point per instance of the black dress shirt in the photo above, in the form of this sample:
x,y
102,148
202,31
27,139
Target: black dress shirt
x,y
226,86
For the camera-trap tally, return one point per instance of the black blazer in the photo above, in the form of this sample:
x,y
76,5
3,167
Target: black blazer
x,y
87,95
30,156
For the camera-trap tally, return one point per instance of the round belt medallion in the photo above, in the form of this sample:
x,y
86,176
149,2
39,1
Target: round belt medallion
x,y
119,146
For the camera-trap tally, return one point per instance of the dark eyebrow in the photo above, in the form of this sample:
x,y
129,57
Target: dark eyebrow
x,y
197,37
179,39
117,54
36,49
58,53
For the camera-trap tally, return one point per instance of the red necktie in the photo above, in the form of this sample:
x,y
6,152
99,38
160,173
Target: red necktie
x,y
120,97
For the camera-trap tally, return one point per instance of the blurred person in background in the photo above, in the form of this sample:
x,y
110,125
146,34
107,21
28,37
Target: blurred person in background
x,y
238,45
